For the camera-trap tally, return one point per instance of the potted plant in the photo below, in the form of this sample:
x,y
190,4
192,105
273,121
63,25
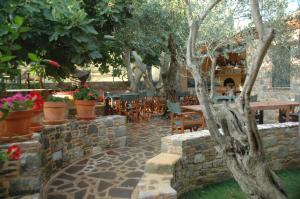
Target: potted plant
x,y
55,110
38,102
85,102
17,113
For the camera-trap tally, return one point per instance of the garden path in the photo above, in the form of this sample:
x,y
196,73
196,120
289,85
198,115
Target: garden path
x,y
114,173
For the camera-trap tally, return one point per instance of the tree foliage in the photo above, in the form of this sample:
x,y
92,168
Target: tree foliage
x,y
70,31
150,26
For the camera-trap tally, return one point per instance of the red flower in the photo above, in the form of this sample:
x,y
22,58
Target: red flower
x,y
14,152
37,99
85,85
53,63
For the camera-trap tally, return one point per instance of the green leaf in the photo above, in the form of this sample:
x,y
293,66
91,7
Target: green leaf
x,y
95,55
6,58
19,20
3,30
81,38
24,29
77,59
89,29
53,37
33,57
31,9
15,47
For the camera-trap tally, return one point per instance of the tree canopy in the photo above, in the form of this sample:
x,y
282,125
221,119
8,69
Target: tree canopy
x,y
70,32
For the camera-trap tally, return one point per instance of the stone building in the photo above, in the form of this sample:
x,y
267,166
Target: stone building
x,y
279,76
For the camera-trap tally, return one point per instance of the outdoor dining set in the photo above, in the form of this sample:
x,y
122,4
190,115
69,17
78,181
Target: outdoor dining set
x,y
142,105
186,113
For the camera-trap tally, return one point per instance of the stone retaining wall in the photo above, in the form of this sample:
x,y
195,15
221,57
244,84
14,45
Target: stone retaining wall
x,y
56,147
22,176
198,164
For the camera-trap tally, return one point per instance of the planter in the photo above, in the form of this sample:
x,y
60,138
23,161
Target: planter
x,y
36,121
85,109
2,125
55,112
17,123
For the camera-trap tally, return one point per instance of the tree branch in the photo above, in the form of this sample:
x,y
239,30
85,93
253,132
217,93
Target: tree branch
x,y
193,65
257,18
202,16
194,25
212,76
266,36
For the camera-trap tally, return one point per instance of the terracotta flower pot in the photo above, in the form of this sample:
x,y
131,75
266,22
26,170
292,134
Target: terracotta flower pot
x,y
2,125
36,121
17,123
55,112
85,109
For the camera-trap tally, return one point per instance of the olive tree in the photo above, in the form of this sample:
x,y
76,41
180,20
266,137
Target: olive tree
x,y
238,141
152,37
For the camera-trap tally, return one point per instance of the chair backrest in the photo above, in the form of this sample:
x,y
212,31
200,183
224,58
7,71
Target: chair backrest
x,y
129,97
150,93
253,98
142,95
297,98
173,107
107,94
223,98
182,93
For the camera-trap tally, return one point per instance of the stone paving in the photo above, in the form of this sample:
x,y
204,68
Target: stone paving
x,y
113,173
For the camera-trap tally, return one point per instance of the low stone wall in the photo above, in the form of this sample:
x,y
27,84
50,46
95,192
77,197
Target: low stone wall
x,y
198,164
56,147
22,176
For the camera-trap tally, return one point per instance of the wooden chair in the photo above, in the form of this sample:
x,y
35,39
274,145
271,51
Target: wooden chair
x,y
181,121
259,115
159,105
130,106
295,117
189,100
146,103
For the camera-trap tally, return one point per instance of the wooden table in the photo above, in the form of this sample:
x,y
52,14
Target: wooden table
x,y
117,95
28,90
284,106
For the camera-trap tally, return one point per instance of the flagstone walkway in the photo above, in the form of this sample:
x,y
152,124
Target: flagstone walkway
x,y
113,173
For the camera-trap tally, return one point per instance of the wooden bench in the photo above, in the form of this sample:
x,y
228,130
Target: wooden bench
x,y
181,121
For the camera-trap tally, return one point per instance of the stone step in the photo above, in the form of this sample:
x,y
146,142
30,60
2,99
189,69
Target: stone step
x,y
164,163
153,186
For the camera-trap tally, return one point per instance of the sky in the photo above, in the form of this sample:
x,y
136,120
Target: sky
x,y
293,5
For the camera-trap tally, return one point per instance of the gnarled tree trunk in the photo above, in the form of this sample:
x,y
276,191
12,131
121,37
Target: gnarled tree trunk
x,y
135,74
240,143
141,72
170,76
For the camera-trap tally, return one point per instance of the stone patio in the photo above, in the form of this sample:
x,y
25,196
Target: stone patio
x,y
113,173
